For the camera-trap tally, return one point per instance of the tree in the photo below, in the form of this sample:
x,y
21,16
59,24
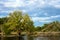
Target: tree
x,y
13,22
27,24
2,21
18,22
38,28
52,27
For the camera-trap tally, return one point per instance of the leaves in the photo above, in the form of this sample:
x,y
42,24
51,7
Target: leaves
x,y
17,21
52,27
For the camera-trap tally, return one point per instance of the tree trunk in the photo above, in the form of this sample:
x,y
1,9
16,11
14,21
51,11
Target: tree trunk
x,y
19,35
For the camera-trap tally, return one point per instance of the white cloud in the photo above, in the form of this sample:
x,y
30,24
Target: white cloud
x,y
34,15
31,3
46,14
55,16
47,21
55,3
1,2
16,3
2,16
39,18
13,4
5,11
44,19
19,3
11,0
24,3
57,6
24,11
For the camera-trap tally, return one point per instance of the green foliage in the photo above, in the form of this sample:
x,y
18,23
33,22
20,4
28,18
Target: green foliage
x,y
28,23
17,21
38,28
13,23
51,27
6,30
2,21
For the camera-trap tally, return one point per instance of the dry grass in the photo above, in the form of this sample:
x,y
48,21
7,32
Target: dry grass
x,y
47,34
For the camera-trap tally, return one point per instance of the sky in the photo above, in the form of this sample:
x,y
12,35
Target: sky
x,y
40,11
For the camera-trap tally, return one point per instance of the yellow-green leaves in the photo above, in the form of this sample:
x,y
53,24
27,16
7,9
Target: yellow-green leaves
x,y
17,21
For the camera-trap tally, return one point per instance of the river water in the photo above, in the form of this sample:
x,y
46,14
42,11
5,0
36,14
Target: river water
x,y
42,38
31,38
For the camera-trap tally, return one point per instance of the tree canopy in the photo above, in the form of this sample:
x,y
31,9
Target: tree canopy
x,y
18,22
52,27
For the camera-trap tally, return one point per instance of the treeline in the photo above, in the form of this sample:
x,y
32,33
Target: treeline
x,y
50,27
19,22
16,22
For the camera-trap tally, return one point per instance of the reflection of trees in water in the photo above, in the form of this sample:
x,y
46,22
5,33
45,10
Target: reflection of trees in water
x,y
54,38
21,38
13,38
47,38
9,38
30,37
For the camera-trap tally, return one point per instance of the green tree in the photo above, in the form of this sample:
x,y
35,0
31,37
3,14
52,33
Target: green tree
x,y
2,21
52,27
28,23
17,21
38,28
13,22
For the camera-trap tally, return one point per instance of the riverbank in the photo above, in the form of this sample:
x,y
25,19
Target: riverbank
x,y
35,36
46,34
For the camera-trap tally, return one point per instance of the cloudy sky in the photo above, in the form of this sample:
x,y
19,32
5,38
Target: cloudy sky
x,y
41,11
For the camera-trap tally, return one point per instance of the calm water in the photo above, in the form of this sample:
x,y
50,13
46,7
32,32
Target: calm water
x,y
30,38
46,38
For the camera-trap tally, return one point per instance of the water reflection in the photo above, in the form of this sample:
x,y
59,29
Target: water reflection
x,y
20,38
25,37
9,38
41,38
30,38
47,38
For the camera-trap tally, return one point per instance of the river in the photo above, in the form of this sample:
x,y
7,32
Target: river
x,y
31,38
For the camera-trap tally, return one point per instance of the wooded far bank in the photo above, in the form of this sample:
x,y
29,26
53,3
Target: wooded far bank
x,y
19,22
